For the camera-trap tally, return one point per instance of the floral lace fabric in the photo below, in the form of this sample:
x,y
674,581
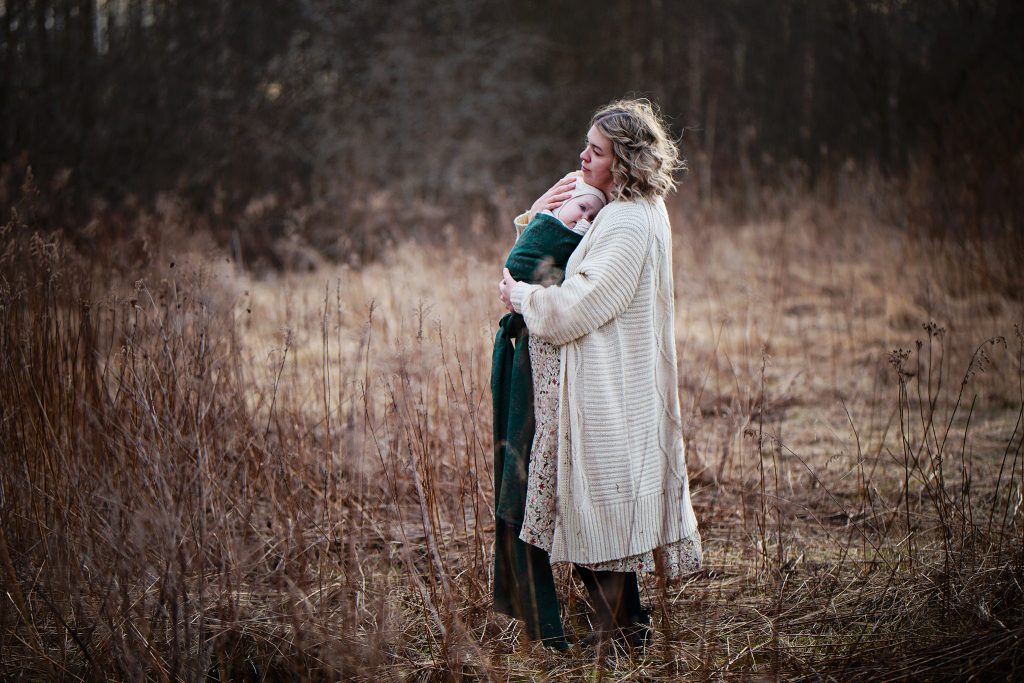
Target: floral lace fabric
x,y
671,561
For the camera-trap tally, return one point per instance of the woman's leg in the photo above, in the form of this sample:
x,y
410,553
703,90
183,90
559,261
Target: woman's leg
x,y
616,600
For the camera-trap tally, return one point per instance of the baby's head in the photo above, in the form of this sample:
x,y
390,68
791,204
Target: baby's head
x,y
584,204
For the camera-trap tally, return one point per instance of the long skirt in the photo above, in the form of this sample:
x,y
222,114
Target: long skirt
x,y
670,561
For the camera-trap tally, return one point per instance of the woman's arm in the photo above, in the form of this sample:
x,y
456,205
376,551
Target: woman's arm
x,y
601,288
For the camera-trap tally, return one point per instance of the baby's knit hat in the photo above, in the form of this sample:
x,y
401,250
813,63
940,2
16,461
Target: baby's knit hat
x,y
583,188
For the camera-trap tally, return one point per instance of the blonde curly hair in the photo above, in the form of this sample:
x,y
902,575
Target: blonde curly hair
x,y
644,156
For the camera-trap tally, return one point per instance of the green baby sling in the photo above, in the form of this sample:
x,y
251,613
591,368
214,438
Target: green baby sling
x,y
524,586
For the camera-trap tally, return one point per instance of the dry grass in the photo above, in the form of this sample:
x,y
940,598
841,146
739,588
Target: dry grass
x,y
206,474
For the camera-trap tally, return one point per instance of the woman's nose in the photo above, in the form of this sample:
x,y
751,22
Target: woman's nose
x,y
583,154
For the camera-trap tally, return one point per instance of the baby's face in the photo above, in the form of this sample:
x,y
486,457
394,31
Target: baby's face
x,y
584,206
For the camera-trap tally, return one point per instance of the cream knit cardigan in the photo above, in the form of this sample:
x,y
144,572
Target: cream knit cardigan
x,y
622,484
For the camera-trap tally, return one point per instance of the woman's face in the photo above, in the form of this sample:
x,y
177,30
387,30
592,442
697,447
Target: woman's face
x,y
596,160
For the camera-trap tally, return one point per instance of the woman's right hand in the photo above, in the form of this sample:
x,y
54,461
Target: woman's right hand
x,y
555,196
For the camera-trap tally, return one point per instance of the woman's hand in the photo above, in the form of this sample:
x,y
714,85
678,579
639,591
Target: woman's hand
x,y
556,196
505,287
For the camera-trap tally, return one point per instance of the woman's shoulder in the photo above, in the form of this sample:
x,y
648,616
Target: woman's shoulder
x,y
640,212
635,205
617,208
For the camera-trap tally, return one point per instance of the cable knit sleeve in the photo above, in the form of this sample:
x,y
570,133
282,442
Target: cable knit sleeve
x,y
598,289
520,222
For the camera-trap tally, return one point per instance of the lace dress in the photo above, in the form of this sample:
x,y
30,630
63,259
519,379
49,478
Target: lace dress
x,y
671,561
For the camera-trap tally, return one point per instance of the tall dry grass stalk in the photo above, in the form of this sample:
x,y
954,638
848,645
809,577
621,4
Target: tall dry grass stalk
x,y
206,474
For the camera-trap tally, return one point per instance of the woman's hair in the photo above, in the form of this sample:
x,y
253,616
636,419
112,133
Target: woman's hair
x,y
644,157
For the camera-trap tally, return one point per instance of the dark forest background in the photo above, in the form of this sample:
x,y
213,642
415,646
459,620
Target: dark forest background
x,y
346,121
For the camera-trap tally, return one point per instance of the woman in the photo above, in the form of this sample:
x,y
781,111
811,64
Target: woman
x,y
621,500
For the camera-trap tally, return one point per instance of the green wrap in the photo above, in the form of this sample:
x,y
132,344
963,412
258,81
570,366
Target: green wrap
x,y
524,586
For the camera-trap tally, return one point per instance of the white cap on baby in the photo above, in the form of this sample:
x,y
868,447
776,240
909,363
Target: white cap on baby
x,y
583,188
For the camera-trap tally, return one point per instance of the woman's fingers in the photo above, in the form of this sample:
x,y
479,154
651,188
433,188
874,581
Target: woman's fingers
x,y
556,191
557,200
555,196
507,283
564,185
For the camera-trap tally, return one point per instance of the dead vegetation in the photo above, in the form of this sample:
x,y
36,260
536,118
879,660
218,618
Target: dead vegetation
x,y
207,474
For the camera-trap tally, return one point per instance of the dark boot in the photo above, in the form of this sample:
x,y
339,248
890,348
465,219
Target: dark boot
x,y
636,636
619,619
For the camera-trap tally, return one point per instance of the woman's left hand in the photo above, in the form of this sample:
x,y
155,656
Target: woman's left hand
x,y
505,287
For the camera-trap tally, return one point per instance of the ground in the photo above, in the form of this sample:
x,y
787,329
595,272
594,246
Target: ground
x,y
291,474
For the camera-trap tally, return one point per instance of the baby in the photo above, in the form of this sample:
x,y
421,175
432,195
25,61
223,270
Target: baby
x,y
525,386
543,245
579,211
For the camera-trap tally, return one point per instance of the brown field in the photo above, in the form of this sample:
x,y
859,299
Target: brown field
x,y
207,473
